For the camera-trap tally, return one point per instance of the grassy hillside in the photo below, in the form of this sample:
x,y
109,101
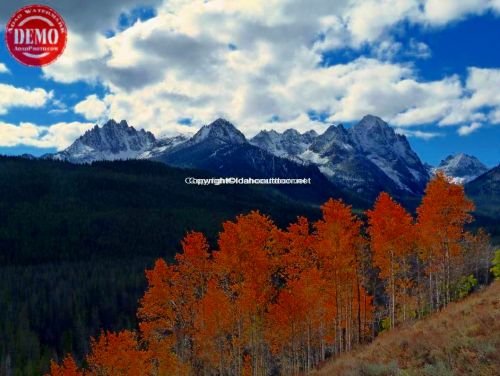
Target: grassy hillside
x,y
463,339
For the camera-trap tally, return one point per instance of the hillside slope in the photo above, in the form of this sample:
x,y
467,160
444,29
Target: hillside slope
x,y
463,339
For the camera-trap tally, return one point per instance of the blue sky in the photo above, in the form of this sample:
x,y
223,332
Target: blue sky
x,y
430,69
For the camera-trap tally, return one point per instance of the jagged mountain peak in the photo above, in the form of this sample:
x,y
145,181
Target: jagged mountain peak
x,y
334,130
221,131
270,131
113,131
460,158
461,167
371,121
312,133
348,155
114,123
111,141
333,138
372,127
221,122
289,144
291,133
267,135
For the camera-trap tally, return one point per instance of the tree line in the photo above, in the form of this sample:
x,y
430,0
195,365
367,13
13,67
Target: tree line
x,y
274,301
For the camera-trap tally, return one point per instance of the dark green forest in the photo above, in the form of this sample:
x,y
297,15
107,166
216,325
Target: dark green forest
x,y
56,211
75,241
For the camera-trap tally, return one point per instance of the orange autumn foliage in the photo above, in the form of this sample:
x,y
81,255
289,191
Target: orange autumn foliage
x,y
158,320
244,268
440,225
243,259
118,354
214,326
392,242
67,368
338,239
442,215
338,247
391,233
297,318
300,253
156,311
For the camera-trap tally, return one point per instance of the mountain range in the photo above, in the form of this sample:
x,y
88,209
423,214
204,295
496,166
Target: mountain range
x,y
367,158
360,161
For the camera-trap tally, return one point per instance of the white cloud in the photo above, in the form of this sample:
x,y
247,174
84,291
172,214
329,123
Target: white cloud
x,y
3,68
92,108
494,116
59,135
480,93
11,96
387,49
484,84
440,12
369,19
418,134
466,130
12,135
418,50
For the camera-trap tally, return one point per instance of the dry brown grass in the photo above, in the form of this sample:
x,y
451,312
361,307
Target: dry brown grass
x,y
463,339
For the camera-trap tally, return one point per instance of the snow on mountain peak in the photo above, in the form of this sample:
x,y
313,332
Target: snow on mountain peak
x,y
220,130
291,133
346,154
289,144
461,167
371,121
110,142
373,130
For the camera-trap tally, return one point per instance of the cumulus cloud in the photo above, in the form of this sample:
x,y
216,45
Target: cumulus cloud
x,y
494,116
369,19
419,50
483,84
92,108
480,95
3,68
466,130
11,96
440,12
418,134
58,136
